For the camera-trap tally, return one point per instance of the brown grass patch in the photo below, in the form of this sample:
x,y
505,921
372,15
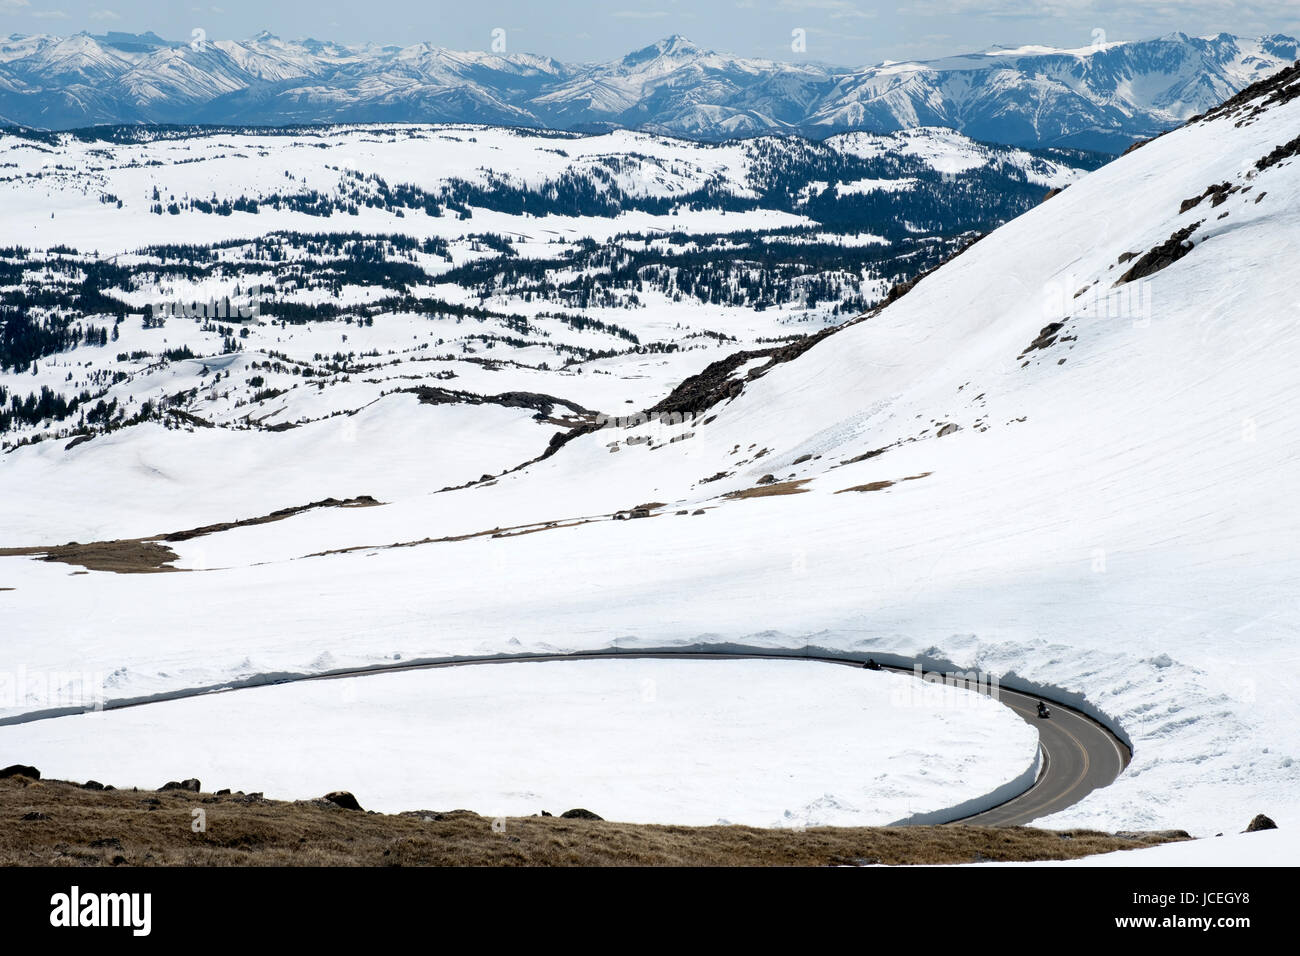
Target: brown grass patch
x,y
363,501
882,485
147,555
127,556
869,486
53,823
776,488
513,531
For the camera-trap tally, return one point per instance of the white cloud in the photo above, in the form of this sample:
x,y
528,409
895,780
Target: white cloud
x,y
8,6
105,15
49,15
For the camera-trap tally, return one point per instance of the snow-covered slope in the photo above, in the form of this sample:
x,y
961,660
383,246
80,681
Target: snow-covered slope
x,y
1102,97
1067,454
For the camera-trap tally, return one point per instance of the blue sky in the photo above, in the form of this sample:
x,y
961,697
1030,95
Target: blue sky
x,y
847,32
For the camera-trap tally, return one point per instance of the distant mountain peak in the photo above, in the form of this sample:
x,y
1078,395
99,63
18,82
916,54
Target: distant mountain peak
x,y
670,46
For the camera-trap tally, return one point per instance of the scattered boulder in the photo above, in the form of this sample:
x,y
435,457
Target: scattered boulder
x,y
20,770
344,799
1285,151
875,453
35,815
578,813
1219,192
632,513
948,429
767,480
1260,822
92,785
801,459
1161,256
1046,338
697,511
190,784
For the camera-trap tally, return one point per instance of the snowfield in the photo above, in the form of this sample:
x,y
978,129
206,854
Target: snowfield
x,y
1027,464
390,449
761,743
1265,848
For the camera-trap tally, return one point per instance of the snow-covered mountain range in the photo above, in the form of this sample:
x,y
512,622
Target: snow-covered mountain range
x,y
1099,97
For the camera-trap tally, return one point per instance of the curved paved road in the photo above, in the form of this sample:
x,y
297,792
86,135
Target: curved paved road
x,y
1079,754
